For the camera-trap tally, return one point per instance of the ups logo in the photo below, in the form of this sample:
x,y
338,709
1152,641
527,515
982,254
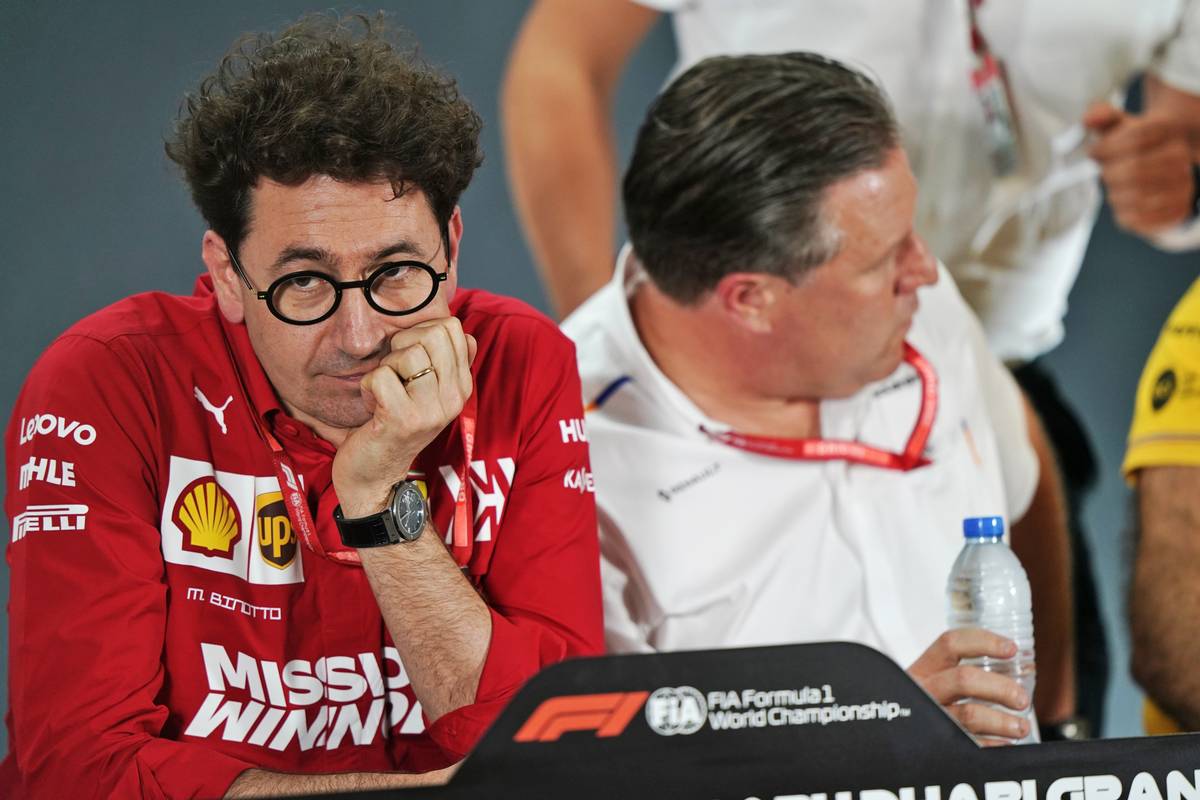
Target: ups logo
x,y
276,539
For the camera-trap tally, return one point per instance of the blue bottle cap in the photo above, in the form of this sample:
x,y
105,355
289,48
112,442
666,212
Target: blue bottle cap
x,y
983,527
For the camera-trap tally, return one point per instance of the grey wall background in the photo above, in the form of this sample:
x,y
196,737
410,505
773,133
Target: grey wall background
x,y
92,211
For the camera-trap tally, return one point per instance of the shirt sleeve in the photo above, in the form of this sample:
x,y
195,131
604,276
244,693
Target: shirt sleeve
x,y
543,584
88,601
1166,412
1178,62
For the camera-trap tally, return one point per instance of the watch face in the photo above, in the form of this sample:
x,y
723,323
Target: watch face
x,y
409,511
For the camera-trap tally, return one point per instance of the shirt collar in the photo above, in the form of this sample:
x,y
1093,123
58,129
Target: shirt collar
x,y
261,394
627,276
840,417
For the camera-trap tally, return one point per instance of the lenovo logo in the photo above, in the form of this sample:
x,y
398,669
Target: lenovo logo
x,y
606,714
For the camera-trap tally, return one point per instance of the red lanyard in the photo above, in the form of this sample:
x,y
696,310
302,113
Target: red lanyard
x,y
855,452
990,84
301,517
297,504
463,523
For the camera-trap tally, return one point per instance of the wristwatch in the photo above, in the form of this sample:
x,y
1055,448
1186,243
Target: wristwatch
x,y
401,521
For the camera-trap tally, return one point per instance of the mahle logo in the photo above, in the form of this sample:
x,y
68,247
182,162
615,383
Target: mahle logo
x,y
676,710
208,518
276,539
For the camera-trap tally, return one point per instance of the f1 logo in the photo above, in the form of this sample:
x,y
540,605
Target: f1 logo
x,y
606,714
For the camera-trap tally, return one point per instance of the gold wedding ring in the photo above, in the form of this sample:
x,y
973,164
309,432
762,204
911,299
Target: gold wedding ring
x,y
415,375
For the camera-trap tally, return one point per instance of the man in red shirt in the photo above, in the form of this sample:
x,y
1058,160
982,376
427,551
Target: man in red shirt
x,y
327,514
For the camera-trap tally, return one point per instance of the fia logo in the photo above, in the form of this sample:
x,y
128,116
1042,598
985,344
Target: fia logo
x,y
218,413
679,709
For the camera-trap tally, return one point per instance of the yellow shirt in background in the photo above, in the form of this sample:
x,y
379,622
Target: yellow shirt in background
x,y
1166,415
1166,420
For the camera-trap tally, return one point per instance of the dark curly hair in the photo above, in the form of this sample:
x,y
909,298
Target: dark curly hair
x,y
342,97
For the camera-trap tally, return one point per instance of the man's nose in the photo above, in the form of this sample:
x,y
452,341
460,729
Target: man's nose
x,y
918,267
361,331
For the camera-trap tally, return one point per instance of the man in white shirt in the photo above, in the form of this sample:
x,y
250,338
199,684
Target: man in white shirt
x,y
1007,200
789,414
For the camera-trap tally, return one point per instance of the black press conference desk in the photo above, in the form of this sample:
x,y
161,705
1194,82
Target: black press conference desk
x,y
802,722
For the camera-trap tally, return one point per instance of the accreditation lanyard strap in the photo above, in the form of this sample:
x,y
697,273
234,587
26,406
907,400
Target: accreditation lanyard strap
x,y
297,504
855,452
989,81
301,516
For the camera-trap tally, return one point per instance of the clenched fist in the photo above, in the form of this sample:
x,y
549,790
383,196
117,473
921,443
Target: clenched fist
x,y
1146,164
414,393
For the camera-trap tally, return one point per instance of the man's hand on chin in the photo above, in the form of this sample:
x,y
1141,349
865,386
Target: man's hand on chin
x,y
415,392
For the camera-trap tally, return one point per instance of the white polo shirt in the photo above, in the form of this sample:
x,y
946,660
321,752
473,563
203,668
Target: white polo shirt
x,y
1014,247
704,545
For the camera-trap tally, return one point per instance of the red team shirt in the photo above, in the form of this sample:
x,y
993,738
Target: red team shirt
x,y
167,630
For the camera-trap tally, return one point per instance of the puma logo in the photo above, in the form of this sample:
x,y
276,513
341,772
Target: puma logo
x,y
218,413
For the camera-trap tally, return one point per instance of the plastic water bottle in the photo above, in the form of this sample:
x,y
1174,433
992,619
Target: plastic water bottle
x,y
988,589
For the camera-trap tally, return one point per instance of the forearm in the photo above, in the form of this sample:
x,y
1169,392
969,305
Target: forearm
x,y
562,168
262,783
1040,540
555,103
439,624
1165,600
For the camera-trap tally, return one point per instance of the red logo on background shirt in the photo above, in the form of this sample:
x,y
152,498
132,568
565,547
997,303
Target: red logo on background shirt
x,y
208,518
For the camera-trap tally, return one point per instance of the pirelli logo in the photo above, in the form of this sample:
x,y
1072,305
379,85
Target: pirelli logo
x,y
606,714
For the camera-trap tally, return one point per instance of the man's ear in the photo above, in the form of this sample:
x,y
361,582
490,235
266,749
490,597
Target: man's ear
x,y
454,230
229,287
749,299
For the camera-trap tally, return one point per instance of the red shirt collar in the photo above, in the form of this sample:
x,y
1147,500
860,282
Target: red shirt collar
x,y
261,394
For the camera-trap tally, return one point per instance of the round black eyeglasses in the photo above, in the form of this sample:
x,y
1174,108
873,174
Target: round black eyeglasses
x,y
308,297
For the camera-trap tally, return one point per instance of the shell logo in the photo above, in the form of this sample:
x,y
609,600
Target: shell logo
x,y
208,518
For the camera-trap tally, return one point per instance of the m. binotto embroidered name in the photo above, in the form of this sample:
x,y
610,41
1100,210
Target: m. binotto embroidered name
x,y
236,604
314,704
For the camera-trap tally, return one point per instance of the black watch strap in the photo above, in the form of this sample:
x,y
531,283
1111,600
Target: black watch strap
x,y
369,531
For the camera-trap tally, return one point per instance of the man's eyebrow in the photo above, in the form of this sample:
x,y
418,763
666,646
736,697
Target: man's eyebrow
x,y
297,253
404,247
293,253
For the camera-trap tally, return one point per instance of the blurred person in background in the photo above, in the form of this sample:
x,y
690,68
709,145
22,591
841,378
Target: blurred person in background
x,y
1163,464
1010,114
